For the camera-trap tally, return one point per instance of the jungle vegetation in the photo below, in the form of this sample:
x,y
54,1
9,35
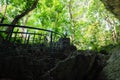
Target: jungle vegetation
x,y
88,24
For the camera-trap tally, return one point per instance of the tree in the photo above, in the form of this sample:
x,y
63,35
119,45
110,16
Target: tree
x,y
86,22
29,8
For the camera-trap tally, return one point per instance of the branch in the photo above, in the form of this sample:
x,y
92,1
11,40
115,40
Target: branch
x,y
70,13
18,17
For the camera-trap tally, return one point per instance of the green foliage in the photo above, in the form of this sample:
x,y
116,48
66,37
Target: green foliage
x,y
86,22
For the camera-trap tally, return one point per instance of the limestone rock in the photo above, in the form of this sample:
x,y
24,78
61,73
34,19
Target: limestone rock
x,y
113,6
75,67
112,70
23,67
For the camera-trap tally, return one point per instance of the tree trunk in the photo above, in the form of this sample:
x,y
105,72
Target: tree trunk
x,y
18,17
72,19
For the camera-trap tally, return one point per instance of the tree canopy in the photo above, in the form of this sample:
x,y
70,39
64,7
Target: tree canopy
x,y
88,24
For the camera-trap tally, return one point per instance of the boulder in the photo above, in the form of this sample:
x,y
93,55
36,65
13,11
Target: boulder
x,y
23,67
78,66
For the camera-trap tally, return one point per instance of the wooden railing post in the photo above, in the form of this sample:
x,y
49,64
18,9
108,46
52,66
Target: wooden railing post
x,y
15,35
51,39
31,35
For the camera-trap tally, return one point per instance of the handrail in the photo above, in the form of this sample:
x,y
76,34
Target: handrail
x,y
52,33
24,33
6,25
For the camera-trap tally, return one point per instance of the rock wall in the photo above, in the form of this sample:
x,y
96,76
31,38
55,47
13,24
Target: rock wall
x,y
81,65
112,70
113,6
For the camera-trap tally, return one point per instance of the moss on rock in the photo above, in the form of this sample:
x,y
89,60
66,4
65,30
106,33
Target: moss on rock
x,y
112,70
